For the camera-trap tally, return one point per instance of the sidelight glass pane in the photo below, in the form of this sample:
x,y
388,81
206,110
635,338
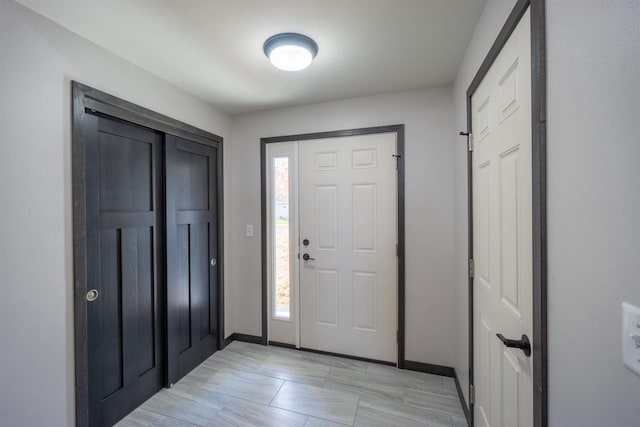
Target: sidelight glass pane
x,y
282,249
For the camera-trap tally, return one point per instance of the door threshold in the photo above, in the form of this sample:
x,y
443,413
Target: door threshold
x,y
328,353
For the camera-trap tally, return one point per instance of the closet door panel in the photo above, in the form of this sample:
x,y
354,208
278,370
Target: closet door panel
x,y
192,271
125,319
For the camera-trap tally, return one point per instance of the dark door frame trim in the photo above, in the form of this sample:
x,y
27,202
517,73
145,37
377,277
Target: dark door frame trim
x,y
86,100
539,186
399,131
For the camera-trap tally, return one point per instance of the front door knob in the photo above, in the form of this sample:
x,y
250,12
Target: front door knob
x,y
307,257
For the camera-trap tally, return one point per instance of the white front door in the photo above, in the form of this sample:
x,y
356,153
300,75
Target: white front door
x,y
348,216
502,236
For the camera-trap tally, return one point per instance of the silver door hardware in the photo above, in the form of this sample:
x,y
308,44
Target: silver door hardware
x,y
213,262
92,295
472,394
472,268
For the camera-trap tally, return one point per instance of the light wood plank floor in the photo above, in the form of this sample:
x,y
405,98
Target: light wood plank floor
x,y
253,385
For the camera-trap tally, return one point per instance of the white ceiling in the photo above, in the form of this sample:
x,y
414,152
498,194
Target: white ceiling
x,y
213,48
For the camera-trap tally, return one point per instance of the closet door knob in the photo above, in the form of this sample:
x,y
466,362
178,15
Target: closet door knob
x,y
92,295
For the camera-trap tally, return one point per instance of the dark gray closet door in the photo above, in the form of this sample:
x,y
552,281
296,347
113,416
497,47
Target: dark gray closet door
x,y
124,258
192,251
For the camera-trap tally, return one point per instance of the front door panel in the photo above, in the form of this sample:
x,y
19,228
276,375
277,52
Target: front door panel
x,y
348,292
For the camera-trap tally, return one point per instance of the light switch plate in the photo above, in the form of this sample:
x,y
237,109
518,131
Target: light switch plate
x,y
248,230
631,337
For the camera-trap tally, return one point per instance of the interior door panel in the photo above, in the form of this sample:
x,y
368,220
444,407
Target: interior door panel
x,y
502,239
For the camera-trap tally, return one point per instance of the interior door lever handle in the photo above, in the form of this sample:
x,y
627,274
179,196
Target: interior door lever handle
x,y
523,343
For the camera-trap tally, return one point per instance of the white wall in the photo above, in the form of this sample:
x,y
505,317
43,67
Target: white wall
x,y
594,208
594,205
38,59
429,206
593,202
493,17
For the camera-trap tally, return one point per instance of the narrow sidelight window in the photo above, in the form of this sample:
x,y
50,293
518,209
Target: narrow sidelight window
x,y
282,240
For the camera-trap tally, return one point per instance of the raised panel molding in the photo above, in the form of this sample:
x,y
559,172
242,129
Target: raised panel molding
x,y
509,231
365,158
327,216
511,387
327,298
483,381
326,161
483,119
365,301
364,217
509,91
483,224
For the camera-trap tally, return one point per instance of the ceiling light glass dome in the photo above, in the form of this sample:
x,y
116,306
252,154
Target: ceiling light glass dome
x,y
290,51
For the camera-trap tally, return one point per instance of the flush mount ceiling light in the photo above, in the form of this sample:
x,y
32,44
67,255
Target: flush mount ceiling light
x,y
290,51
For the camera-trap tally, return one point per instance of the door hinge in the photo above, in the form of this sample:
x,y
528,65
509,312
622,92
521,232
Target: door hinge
x,y
397,336
397,251
472,394
472,268
470,141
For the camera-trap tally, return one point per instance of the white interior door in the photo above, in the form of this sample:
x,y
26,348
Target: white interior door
x,y
348,214
502,248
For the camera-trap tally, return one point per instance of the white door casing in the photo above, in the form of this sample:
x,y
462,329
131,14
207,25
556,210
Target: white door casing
x,y
502,235
348,212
